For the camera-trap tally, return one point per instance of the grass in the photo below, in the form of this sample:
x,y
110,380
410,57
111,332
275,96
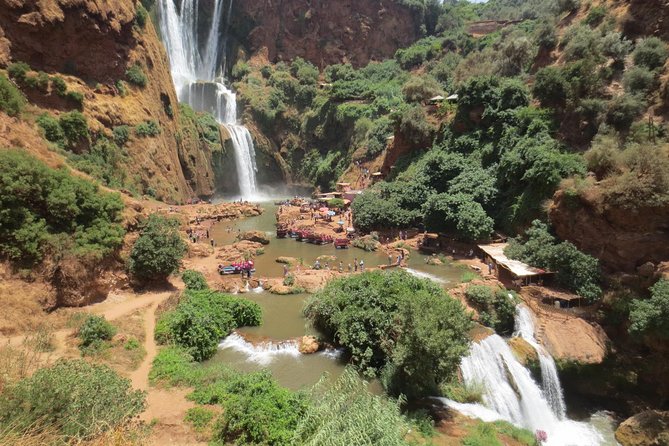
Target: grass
x,y
468,276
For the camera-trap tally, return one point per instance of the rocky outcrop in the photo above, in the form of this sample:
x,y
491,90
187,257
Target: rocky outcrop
x,y
308,345
324,33
649,428
622,239
91,44
254,236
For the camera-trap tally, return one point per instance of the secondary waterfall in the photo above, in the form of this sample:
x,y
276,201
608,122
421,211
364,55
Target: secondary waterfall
x,y
510,393
550,381
197,74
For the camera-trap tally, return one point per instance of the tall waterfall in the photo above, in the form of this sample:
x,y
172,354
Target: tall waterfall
x,y
510,393
198,80
549,376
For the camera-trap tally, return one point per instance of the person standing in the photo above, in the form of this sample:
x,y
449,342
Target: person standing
x,y
285,270
362,266
355,264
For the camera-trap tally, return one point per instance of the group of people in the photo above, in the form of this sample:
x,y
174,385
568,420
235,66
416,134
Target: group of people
x,y
196,235
398,262
351,267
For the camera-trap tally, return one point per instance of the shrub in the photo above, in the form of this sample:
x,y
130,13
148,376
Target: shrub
x,y
595,16
121,134
205,317
141,15
53,211
147,129
77,399
457,214
568,5
496,309
256,410
346,413
623,110
18,71
76,97
121,87
650,53
158,251
615,46
95,329
135,75
75,128
421,88
199,417
194,280
42,81
551,87
404,329
59,86
651,316
639,80
11,99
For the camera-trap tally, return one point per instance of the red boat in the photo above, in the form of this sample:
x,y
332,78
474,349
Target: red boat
x,y
320,239
304,236
342,243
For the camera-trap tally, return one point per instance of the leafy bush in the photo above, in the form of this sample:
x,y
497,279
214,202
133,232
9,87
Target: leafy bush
x,y
77,399
135,75
199,417
51,128
11,99
141,15
95,329
103,161
59,86
458,215
623,110
256,410
76,97
53,211
147,129
496,309
345,413
650,53
651,316
421,88
550,87
75,128
404,329
595,16
18,71
574,270
158,251
121,134
205,317
615,46
194,280
639,80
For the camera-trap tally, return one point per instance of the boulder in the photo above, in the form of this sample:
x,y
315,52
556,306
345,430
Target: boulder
x,y
308,345
523,351
287,260
254,236
649,428
434,261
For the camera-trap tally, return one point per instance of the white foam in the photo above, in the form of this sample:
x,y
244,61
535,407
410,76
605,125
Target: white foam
x,y
424,275
263,353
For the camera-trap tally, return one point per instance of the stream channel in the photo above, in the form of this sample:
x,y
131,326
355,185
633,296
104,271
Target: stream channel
x,y
274,345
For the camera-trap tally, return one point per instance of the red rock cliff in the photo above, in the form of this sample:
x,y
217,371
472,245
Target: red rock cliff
x,y
326,32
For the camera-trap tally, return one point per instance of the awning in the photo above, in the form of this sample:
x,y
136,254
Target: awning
x,y
516,267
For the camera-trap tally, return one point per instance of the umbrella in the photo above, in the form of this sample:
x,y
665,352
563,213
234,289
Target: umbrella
x,y
331,213
341,222
323,210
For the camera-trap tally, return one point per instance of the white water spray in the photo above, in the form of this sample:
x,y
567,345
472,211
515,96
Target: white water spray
x,y
550,381
195,68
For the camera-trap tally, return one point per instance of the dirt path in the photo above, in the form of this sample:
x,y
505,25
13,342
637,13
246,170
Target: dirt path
x,y
140,377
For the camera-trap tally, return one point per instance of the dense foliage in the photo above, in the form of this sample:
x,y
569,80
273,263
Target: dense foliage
x,y
77,399
95,330
496,308
651,316
11,99
158,251
404,329
49,211
574,269
194,280
204,317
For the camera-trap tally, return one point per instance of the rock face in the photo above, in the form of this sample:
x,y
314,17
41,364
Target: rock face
x,y
91,44
308,345
649,428
622,239
324,33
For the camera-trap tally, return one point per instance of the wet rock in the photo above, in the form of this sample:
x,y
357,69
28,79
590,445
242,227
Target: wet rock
x,y
327,258
254,236
522,350
308,345
649,428
646,270
434,261
287,260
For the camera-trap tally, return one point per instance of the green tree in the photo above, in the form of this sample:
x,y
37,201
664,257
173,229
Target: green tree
x,y
551,88
11,99
651,53
158,251
75,128
651,316
95,329
459,215
73,397
194,280
405,329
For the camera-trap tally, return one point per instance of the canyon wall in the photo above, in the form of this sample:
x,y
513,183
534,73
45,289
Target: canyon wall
x,y
91,44
324,32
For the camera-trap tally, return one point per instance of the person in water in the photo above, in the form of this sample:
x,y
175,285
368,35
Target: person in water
x,y
355,264
362,266
317,265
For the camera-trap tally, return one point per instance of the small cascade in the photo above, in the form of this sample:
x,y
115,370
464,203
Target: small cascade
x,y
196,69
510,393
550,381
263,353
424,275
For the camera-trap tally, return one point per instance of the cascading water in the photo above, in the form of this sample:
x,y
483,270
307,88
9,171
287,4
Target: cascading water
x,y
510,393
196,72
550,381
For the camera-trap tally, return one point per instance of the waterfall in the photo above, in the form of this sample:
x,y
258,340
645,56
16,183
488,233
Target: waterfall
x,y
550,381
195,68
